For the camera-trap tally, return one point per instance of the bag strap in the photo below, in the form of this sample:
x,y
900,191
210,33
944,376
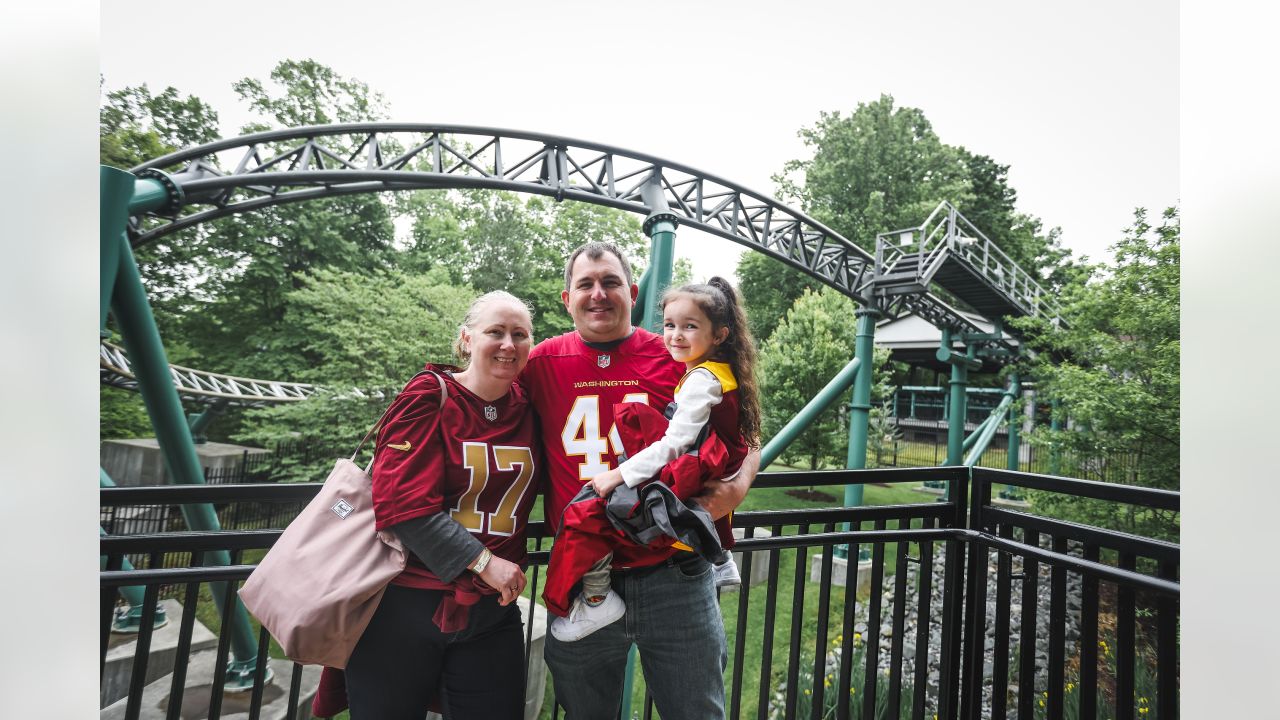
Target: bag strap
x,y
444,397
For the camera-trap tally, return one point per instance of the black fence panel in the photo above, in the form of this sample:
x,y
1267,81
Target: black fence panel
x,y
962,608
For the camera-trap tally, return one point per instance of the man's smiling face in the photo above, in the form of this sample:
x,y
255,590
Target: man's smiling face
x,y
599,298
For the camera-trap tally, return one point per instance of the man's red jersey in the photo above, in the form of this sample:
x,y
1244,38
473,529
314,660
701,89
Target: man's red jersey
x,y
574,387
474,459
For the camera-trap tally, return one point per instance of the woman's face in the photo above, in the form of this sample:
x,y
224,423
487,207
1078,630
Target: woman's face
x,y
499,341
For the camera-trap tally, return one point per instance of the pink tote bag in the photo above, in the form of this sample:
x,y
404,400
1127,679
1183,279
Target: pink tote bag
x,y
319,585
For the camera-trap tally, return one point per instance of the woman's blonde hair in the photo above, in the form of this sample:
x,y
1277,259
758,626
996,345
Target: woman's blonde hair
x,y
469,320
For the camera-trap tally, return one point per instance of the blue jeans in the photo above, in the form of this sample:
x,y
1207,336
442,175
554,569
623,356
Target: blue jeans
x,y
674,620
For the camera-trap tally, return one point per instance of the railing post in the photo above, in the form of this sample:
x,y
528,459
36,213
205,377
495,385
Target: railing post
x,y
974,641
132,594
1015,428
952,602
1054,426
141,339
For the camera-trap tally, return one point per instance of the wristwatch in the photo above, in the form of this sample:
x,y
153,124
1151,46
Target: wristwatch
x,y
482,562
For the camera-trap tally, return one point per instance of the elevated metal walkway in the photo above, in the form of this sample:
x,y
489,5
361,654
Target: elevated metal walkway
x,y
947,250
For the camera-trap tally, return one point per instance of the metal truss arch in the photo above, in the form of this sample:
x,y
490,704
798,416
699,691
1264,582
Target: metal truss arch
x,y
282,166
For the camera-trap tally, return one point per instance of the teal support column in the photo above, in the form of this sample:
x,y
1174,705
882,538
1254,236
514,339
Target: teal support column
x,y
660,226
860,409
133,317
1014,461
642,297
977,432
199,422
115,189
989,428
810,412
864,349
960,367
959,409
1015,427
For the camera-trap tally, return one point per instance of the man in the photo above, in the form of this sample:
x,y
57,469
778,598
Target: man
x,y
672,615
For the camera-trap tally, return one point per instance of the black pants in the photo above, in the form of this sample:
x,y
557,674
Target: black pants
x,y
403,659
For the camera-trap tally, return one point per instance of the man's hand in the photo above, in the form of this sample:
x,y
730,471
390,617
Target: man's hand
x,y
719,498
605,482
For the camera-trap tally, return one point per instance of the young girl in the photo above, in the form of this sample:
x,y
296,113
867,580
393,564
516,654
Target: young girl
x,y
705,328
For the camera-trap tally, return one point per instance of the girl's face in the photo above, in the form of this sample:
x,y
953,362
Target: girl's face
x,y
499,341
687,331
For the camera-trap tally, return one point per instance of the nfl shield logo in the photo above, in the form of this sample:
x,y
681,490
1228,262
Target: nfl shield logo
x,y
490,413
603,360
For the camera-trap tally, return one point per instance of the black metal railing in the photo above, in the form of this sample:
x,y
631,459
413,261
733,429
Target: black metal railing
x,y
961,608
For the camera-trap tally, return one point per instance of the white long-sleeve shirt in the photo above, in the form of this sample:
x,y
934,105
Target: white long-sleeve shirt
x,y
698,393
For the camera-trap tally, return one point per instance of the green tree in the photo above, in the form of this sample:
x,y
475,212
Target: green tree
x,y
810,345
502,241
880,168
135,126
305,92
121,415
1115,371
883,168
228,304
362,336
769,288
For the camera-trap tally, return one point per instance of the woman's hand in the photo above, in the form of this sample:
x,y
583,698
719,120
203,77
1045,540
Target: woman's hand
x,y
605,482
506,577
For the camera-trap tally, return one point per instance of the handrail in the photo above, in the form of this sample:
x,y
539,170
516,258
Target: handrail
x,y
1127,578
1114,492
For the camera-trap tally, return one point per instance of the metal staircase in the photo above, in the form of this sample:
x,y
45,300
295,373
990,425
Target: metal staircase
x,y
947,250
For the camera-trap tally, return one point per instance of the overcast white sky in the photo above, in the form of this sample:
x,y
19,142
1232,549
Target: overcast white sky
x,y
1079,99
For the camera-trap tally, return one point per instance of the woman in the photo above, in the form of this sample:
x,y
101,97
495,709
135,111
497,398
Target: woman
x,y
455,482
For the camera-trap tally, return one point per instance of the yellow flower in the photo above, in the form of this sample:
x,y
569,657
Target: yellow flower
x,y
1041,703
1071,686
1142,711
806,692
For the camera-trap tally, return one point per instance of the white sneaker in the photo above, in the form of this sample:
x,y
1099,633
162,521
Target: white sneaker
x,y
727,574
584,619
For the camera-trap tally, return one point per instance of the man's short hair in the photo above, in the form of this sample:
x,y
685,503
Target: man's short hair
x,y
595,250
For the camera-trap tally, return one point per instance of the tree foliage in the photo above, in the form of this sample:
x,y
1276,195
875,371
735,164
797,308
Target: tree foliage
x,y
358,335
135,126
305,92
501,241
883,168
810,345
326,291
1115,371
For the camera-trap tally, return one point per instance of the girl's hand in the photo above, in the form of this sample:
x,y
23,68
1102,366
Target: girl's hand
x,y
605,482
506,577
